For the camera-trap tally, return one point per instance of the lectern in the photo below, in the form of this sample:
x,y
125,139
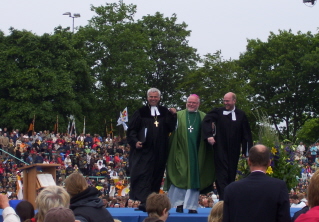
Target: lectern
x,y
30,179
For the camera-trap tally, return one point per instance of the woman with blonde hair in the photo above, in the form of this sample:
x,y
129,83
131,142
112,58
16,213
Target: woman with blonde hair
x,y
85,203
216,214
313,201
50,197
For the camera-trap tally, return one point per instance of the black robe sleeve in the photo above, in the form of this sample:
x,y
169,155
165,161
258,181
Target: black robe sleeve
x,y
134,128
247,141
211,117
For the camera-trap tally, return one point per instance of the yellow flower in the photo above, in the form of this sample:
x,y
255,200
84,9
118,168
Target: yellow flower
x,y
273,150
269,170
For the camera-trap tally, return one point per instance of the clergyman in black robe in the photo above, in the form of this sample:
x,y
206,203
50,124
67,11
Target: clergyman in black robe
x,y
228,130
147,134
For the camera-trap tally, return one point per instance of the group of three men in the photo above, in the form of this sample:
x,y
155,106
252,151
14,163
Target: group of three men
x,y
199,147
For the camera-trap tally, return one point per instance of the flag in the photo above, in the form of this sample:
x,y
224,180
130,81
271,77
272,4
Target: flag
x,y
19,188
124,115
56,125
105,128
71,125
84,125
68,129
111,132
121,122
31,126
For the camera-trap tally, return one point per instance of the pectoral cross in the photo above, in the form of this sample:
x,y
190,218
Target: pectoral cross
x,y
190,128
156,123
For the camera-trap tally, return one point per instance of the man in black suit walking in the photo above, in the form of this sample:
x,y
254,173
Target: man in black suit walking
x,y
258,197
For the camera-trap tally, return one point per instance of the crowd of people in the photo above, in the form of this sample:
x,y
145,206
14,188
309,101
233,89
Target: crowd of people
x,y
103,161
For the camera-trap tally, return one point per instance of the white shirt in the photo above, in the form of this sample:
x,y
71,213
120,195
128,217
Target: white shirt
x,y
301,148
9,215
299,205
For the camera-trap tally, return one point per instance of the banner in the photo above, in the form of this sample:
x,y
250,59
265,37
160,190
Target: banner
x,y
124,115
31,126
84,126
71,125
121,122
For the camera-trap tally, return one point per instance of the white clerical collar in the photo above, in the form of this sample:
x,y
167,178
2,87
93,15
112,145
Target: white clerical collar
x,y
258,171
225,112
154,111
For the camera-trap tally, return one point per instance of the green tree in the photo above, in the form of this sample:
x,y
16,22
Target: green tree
x,y
283,80
214,79
116,53
170,55
308,133
39,76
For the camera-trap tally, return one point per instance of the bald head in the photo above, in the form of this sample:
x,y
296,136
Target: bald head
x,y
230,101
192,103
231,94
259,155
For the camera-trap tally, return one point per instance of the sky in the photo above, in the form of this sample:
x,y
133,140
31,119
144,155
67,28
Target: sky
x,y
215,24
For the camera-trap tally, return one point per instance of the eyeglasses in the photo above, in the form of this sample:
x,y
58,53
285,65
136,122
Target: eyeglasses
x,y
193,103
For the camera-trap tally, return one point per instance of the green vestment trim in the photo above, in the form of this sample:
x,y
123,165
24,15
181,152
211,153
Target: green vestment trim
x,y
190,162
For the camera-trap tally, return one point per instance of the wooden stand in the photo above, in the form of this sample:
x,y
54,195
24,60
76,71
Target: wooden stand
x,y
30,179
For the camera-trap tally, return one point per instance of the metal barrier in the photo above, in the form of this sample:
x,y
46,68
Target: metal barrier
x,y
14,156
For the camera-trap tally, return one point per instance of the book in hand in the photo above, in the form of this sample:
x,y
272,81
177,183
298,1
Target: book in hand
x,y
142,135
46,180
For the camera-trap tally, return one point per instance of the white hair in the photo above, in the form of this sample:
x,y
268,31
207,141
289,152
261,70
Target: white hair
x,y
151,90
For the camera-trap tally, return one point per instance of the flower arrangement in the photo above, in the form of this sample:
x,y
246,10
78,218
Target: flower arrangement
x,y
283,164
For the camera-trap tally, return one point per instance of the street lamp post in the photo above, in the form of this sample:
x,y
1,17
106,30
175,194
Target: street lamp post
x,y
75,15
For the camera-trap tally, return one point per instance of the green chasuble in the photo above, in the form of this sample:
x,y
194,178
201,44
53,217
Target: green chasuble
x,y
190,162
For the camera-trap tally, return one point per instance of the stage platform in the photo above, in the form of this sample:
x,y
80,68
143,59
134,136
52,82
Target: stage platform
x,y
130,215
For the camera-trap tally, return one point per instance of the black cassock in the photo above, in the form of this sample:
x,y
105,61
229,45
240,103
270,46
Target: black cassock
x,y
231,138
147,164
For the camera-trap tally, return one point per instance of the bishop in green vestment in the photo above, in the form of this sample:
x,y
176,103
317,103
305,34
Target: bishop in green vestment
x,y
190,165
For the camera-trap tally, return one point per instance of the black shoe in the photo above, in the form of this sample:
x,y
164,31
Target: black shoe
x,y
192,211
179,209
142,207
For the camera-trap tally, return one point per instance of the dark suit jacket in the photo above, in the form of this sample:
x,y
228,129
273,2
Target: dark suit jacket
x,y
257,198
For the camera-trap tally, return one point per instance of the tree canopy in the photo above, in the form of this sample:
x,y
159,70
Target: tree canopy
x,y
110,63
283,78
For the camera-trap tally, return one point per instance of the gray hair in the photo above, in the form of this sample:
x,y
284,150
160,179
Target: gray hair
x,y
50,197
151,90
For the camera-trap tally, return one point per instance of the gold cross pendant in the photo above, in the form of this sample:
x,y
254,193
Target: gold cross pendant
x,y
156,123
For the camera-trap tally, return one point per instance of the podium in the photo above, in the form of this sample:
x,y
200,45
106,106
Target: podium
x,y
30,179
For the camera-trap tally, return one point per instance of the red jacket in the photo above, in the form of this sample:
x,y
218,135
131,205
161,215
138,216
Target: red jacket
x,y
311,216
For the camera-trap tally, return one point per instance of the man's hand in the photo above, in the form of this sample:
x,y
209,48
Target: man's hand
x,y
4,202
211,140
172,110
139,145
